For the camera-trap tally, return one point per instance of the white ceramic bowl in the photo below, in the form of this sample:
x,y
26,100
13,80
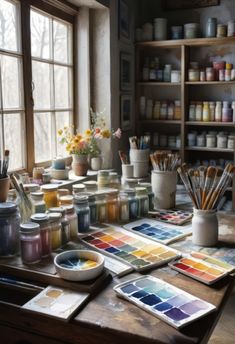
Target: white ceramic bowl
x,y
74,273
60,174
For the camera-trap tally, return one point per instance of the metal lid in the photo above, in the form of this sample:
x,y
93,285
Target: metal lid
x,y
54,216
57,210
36,194
8,208
81,199
78,187
68,209
29,228
50,187
39,217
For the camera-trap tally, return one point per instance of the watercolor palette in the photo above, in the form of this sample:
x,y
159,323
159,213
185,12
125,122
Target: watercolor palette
x,y
138,252
158,231
175,216
202,267
163,300
58,302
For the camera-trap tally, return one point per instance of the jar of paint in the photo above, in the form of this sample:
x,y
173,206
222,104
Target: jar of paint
x,y
83,213
123,207
55,222
112,206
221,30
114,181
159,75
156,110
227,75
218,65
38,203
231,28
205,112
218,111
133,204
176,32
177,114
192,112
210,76
227,112
221,75
101,208
45,232
142,196
191,139
201,140
198,111
148,186
193,75
211,27
178,141
204,227
163,110
77,188
212,111
73,221
60,193
191,30
231,140
30,241
9,229
103,179
65,200
167,73
160,29
175,76
170,111
222,141
50,195
93,208
202,75
210,141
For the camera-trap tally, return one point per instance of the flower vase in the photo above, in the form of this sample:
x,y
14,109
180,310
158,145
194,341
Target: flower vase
x,y
80,164
96,163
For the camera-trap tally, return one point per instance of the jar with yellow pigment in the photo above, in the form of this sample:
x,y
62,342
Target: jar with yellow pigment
x,y
60,193
55,222
112,206
73,221
50,195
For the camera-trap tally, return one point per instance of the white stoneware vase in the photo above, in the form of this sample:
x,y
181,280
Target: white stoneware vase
x,y
204,227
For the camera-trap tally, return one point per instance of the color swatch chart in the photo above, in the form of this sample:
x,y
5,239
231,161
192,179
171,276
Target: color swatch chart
x,y
158,231
202,267
175,217
163,300
133,249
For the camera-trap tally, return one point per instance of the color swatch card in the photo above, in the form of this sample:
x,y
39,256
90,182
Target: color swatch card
x,y
158,231
202,267
138,252
175,216
163,300
58,302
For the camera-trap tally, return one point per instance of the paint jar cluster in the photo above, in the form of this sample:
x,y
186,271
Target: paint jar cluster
x,y
218,71
163,140
212,111
211,139
162,110
153,71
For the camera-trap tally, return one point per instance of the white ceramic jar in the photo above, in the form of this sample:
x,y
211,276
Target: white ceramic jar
x,y
204,227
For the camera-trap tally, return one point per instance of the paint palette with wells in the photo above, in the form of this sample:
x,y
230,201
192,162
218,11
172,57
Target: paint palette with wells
x,y
201,267
158,231
140,253
173,216
163,300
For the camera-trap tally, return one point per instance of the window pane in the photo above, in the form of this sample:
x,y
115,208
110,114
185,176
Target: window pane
x,y
62,83
14,139
62,42
40,35
8,24
63,119
42,82
42,136
11,85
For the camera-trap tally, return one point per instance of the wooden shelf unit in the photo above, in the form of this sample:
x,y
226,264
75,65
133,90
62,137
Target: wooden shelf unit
x,y
182,47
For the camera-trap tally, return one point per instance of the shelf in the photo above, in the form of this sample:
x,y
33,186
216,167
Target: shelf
x,y
165,148
156,83
200,42
155,121
217,83
206,149
212,124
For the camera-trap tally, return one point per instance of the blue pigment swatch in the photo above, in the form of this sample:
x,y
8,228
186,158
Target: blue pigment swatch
x,y
139,294
145,283
176,314
178,300
111,250
164,306
165,293
129,289
151,300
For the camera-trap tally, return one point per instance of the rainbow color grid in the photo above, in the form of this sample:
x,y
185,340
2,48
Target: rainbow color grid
x,y
78,263
158,231
202,267
138,252
163,300
175,217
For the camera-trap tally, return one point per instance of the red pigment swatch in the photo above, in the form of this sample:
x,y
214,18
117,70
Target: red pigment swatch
x,y
181,266
208,277
103,245
117,243
195,272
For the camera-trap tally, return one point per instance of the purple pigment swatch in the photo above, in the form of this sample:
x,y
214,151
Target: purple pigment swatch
x,y
176,314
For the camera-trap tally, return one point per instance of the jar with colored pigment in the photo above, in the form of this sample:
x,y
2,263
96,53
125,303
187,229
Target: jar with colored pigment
x,y
205,112
177,113
210,140
201,140
65,225
66,200
83,213
101,208
133,204
148,186
114,181
77,188
191,30
50,195
211,27
73,221
221,30
9,229
212,111
93,208
142,196
103,179
30,242
112,206
60,193
210,75
227,112
192,112
218,111
38,203
45,232
55,222
222,141
191,139
193,75
231,141
91,186
167,73
123,207
198,111
176,32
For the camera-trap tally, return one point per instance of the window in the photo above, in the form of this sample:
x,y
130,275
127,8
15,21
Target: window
x,y
44,61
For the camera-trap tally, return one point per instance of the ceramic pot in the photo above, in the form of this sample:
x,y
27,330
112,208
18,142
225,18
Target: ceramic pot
x,y
96,163
4,188
204,227
164,189
80,165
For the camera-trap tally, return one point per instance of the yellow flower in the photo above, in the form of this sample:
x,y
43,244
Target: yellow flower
x,y
106,134
76,140
79,137
88,132
68,147
60,132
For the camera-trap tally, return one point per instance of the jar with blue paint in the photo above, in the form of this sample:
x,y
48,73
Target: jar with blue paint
x,y
148,186
93,208
133,204
142,196
9,229
83,213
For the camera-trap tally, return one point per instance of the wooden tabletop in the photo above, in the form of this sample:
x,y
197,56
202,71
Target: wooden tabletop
x,y
109,319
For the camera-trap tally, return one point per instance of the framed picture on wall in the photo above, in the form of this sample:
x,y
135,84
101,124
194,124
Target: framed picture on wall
x,y
125,72
126,111
124,20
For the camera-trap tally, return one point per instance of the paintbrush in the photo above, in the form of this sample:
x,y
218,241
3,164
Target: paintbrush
x,y
123,157
215,182
210,174
184,177
194,187
5,163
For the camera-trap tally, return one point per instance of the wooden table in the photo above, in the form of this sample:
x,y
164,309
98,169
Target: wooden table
x,y
108,319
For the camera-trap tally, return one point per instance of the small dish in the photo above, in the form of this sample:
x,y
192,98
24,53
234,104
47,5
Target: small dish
x,y
79,265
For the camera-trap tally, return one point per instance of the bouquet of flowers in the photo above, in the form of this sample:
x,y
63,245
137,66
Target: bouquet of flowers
x,y
78,143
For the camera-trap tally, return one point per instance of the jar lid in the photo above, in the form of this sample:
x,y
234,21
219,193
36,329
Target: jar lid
x,y
130,192
103,173
81,199
90,183
62,192
36,194
31,187
148,186
50,187
57,210
68,209
29,228
39,217
68,198
8,208
54,216
78,187
140,190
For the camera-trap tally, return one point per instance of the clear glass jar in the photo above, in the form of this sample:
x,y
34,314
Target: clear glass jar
x,y
103,179
101,208
50,195
192,112
142,196
133,204
45,232
148,186
163,110
114,181
123,207
9,229
198,112
65,200
55,222
201,140
38,203
171,111
212,111
30,241
112,206
73,221
77,188
60,193
83,213
65,225
93,208
211,27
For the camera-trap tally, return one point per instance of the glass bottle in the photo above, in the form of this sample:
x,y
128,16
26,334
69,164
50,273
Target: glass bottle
x,y
148,186
177,109
218,111
163,110
50,195
112,206
30,242
65,225
133,204
142,196
167,73
114,181
227,112
205,112
93,208
103,179
192,112
45,232
83,213
101,208
170,111
55,222
212,111
38,203
123,207
60,193
73,221
198,112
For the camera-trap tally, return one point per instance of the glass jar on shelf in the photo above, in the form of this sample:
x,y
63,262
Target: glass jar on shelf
x,y
45,232
142,196
30,242
112,206
55,222
50,195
